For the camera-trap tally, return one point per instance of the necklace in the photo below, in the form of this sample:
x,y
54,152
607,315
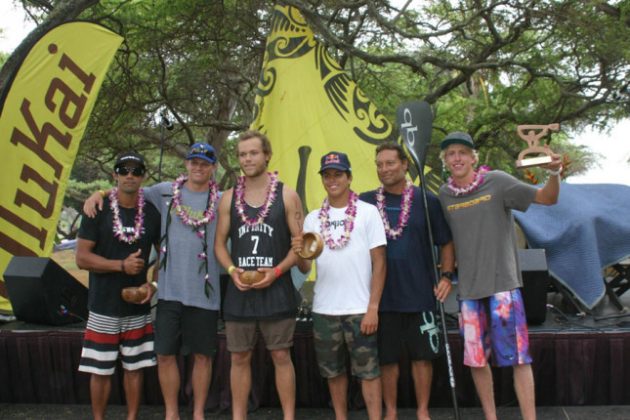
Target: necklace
x,y
348,223
119,229
403,217
473,186
239,203
208,214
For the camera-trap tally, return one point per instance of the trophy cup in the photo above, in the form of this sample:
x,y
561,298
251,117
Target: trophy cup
x,y
313,245
532,134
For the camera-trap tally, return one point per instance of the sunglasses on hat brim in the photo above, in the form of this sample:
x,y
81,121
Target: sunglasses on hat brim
x,y
204,152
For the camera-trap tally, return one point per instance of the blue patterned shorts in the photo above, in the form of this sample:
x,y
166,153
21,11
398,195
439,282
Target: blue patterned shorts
x,y
505,338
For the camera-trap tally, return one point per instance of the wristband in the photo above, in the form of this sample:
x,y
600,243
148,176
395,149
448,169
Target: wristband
x,y
277,271
154,284
102,193
556,172
231,269
122,266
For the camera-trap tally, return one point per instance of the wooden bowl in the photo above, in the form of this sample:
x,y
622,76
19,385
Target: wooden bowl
x,y
251,276
313,245
134,294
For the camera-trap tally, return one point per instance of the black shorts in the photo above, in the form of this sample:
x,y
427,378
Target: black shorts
x,y
417,333
181,329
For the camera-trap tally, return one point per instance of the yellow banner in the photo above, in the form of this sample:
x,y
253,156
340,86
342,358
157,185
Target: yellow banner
x,y
307,105
44,115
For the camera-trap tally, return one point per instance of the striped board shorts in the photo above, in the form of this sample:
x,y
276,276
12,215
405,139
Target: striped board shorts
x,y
106,336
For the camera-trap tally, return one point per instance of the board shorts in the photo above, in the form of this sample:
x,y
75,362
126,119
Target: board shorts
x,y
335,337
107,337
495,325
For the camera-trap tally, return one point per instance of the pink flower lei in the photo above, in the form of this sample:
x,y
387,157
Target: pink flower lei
x,y
473,186
239,194
403,217
119,231
348,223
208,214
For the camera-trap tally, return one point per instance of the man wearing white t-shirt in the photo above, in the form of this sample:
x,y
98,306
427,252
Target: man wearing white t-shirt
x,y
350,280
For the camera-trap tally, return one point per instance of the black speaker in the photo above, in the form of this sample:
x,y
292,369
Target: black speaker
x,y
533,264
41,292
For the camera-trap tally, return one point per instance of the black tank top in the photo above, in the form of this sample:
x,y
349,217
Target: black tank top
x,y
262,245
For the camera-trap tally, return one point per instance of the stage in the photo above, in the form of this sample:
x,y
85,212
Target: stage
x,y
578,360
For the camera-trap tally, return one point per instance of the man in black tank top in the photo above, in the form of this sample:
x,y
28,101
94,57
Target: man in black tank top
x,y
259,216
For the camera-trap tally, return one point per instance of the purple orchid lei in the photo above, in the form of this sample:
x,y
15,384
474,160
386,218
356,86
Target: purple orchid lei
x,y
473,186
239,203
348,223
403,217
208,214
119,231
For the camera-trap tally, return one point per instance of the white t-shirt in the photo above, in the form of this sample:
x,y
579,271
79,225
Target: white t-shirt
x,y
344,275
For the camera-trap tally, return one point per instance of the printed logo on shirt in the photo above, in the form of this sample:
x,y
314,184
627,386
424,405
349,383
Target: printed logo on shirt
x,y
335,224
255,261
263,228
469,203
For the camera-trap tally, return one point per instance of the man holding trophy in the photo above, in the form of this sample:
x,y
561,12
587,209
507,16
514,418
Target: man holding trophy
x,y
477,205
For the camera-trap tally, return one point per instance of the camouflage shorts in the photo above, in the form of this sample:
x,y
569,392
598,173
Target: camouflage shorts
x,y
337,336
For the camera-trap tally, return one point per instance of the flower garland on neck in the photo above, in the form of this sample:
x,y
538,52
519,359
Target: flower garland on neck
x,y
199,226
239,203
208,214
405,209
348,223
474,184
119,229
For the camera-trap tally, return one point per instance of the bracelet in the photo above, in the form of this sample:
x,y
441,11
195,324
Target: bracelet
x,y
122,266
556,172
102,193
277,271
231,269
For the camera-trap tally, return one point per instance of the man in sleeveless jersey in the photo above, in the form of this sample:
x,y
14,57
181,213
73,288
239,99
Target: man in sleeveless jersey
x,y
115,247
478,207
259,216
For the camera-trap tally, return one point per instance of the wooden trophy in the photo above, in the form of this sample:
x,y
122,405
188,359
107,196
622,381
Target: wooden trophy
x,y
532,134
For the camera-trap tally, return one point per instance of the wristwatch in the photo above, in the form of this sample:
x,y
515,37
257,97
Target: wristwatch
x,y
448,274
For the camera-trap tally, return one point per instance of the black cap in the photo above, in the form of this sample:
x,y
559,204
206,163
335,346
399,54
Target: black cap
x,y
335,160
129,157
457,137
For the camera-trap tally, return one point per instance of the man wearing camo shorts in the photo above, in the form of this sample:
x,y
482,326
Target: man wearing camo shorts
x,y
350,280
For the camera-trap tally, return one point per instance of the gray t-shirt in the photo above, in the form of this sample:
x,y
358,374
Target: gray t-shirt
x,y
484,236
183,278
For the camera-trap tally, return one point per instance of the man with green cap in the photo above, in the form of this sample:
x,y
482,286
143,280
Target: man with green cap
x,y
478,207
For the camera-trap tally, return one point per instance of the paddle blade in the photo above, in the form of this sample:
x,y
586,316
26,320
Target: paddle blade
x,y
415,122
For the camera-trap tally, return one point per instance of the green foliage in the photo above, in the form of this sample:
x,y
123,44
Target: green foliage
x,y
486,66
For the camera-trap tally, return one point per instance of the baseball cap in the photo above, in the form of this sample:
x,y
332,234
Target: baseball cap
x,y
126,158
202,151
457,137
335,160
